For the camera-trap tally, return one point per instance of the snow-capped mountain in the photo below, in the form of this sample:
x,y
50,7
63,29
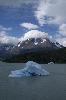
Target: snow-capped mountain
x,y
34,45
27,46
38,43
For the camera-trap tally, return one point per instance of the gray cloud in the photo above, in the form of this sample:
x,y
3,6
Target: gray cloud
x,y
17,2
51,8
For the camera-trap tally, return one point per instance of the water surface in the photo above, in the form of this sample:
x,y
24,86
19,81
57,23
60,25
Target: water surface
x,y
52,87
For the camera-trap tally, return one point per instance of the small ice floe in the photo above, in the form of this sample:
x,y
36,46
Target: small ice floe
x,y
51,63
31,69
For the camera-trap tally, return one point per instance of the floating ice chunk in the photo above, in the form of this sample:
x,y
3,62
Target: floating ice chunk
x,y
51,63
31,69
22,47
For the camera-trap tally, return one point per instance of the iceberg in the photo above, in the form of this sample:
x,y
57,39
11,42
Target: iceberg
x,y
31,69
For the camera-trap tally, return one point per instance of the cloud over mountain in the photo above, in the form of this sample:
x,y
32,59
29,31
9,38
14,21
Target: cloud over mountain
x,y
29,26
5,37
16,3
2,28
62,29
54,9
34,34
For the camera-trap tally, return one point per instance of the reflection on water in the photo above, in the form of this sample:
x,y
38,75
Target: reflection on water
x,y
33,88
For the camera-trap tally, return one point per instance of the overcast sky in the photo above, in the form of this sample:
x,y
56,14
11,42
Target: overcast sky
x,y
19,17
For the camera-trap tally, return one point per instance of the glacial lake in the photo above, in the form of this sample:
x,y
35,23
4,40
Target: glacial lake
x,y
52,87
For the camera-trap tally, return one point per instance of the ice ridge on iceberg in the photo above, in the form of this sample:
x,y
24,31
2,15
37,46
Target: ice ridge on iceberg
x,y
31,69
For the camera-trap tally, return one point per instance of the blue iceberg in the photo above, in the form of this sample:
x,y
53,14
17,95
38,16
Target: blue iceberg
x,y
31,69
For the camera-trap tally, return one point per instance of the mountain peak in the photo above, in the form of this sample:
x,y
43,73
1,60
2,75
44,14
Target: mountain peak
x,y
38,43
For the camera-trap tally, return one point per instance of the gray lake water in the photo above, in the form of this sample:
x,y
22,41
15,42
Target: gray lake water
x,y
52,87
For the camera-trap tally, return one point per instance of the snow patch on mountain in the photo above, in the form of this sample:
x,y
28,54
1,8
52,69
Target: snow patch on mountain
x,y
58,45
19,45
35,43
44,40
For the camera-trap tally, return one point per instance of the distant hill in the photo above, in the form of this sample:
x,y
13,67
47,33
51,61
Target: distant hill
x,y
44,56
